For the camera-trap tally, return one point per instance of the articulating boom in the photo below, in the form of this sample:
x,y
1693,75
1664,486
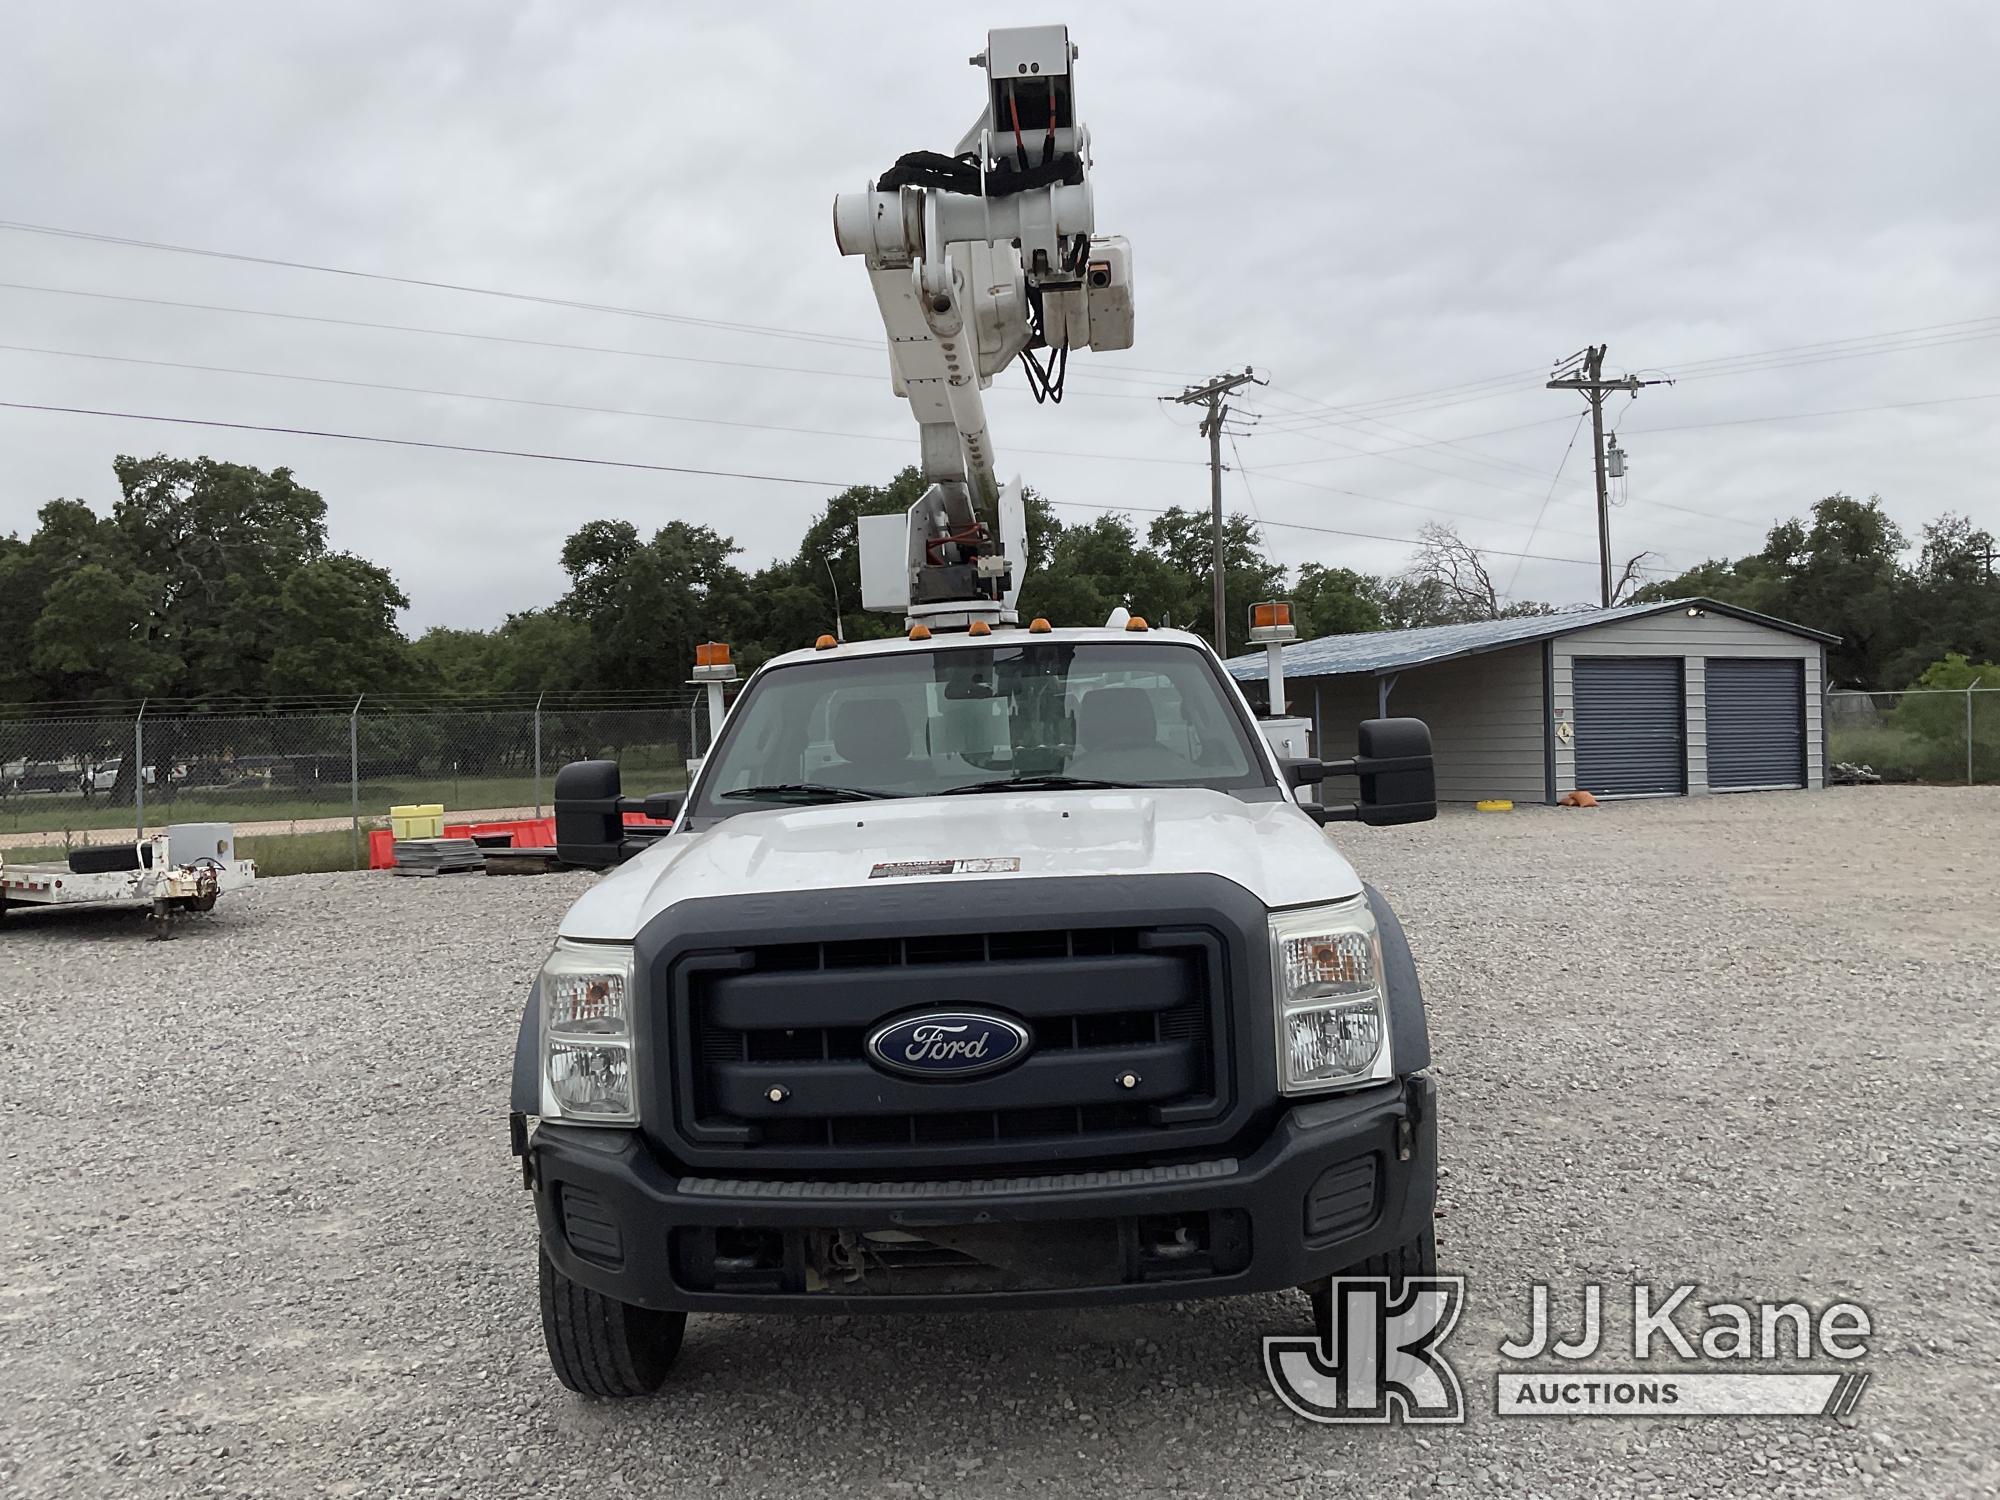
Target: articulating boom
x,y
975,258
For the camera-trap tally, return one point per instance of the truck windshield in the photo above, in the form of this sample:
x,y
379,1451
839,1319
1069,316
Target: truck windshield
x,y
972,719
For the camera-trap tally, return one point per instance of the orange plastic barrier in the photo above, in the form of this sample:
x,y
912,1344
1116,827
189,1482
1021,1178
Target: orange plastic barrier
x,y
525,833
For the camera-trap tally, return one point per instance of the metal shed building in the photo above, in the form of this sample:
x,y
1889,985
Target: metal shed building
x,y
1641,700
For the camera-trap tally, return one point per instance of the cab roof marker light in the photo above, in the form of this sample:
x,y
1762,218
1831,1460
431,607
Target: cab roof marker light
x,y
824,643
1137,622
920,632
1038,626
979,627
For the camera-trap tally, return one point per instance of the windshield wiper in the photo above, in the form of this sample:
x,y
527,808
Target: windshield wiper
x,y
808,791
1040,784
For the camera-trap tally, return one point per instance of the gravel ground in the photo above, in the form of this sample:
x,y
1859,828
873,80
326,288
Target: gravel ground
x,y
261,1234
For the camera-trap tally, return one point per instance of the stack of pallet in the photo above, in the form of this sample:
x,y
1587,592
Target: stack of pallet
x,y
437,856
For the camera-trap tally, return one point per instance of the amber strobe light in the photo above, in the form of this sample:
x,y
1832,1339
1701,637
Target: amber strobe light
x,y
1264,616
711,654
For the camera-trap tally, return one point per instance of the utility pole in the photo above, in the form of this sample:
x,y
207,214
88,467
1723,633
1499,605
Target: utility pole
x,y
1585,372
1211,396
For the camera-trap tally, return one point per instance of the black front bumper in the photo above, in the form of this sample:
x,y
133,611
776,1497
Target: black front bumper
x,y
1337,1181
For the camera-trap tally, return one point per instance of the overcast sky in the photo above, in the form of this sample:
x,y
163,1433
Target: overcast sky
x,y
1366,202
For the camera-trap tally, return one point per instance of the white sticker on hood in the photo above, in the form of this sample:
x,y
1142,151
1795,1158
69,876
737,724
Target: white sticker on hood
x,y
1003,865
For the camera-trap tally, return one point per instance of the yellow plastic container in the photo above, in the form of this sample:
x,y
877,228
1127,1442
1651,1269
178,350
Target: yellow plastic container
x,y
418,820
1495,804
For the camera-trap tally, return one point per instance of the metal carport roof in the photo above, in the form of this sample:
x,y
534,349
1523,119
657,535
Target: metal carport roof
x,y
1380,651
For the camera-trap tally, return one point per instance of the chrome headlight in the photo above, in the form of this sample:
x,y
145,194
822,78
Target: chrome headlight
x,y
587,1034
1333,1023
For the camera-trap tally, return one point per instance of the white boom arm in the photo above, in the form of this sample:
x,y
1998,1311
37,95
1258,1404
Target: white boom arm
x,y
976,258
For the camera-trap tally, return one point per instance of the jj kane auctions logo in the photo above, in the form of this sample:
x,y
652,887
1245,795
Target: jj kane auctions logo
x,y
1379,1358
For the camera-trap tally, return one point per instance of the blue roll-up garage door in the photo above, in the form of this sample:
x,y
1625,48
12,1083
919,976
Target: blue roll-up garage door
x,y
1756,723
1631,725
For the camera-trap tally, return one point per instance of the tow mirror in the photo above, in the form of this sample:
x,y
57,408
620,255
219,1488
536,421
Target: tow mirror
x,y
590,825
1397,777
590,816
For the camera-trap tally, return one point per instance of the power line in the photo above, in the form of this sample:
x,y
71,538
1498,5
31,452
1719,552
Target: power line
x,y
1130,374
655,355
1370,536
606,411
1437,510
452,333
1687,368
1485,460
1464,437
615,463
1387,456
760,330
1801,416
1784,357
1515,576
669,417
1790,416
365,437
1318,407
485,338
1256,511
1334,419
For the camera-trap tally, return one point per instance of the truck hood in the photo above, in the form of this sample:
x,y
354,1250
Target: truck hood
x,y
1269,848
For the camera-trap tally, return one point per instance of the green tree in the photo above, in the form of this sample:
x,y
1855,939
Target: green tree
x,y
1951,602
1092,570
217,543
78,619
92,637
646,605
1842,573
536,651
206,580
335,629
1335,601
1184,542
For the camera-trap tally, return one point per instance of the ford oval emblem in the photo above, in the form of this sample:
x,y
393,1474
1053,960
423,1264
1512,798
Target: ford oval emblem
x,y
948,1044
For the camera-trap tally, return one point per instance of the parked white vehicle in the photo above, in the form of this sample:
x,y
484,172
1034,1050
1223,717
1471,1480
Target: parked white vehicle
x,y
104,778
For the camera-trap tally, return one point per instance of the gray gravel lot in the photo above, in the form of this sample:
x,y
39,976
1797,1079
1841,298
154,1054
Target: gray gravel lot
x,y
262,1236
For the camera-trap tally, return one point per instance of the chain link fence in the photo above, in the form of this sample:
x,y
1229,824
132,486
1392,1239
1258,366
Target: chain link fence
x,y
77,778
1921,735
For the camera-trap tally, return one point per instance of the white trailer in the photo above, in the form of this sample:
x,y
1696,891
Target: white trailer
x,y
186,868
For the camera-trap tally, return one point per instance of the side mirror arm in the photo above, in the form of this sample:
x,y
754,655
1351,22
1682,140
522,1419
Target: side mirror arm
x,y
1300,773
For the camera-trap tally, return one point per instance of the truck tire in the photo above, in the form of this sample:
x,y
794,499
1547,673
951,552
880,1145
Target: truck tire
x,y
1417,1257
601,1347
